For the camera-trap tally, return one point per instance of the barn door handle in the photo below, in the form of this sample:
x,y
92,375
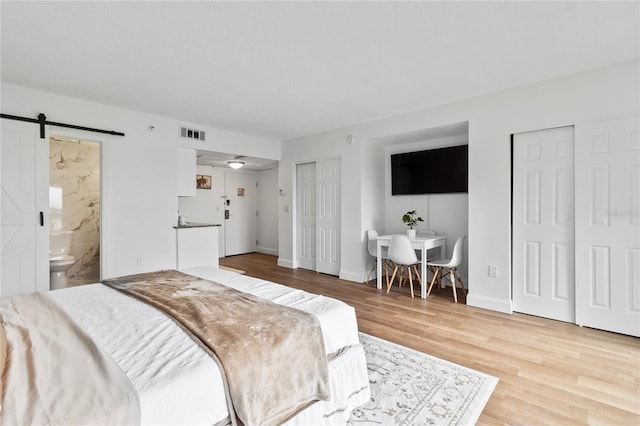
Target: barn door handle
x,y
41,218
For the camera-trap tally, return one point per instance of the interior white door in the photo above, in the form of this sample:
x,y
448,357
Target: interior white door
x,y
240,228
306,215
543,224
23,233
608,225
328,217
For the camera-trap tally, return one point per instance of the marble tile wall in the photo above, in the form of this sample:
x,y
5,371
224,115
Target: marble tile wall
x,y
74,203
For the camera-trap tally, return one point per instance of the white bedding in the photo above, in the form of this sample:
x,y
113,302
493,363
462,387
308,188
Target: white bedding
x,y
177,382
337,319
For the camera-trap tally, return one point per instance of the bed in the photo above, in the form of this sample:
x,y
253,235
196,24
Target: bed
x,y
176,381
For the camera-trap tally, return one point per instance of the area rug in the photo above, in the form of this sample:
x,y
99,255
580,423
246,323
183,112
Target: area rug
x,y
412,388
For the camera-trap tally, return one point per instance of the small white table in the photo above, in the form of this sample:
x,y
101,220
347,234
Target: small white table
x,y
422,243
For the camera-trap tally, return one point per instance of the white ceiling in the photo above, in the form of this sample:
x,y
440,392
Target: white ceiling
x,y
220,159
281,70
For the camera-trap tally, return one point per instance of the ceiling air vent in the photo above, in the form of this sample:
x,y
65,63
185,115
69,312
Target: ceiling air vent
x,y
192,133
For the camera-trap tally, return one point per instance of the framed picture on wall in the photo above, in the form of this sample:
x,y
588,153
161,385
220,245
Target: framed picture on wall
x,y
203,182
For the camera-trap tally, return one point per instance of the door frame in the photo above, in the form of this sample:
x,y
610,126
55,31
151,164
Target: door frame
x,y
87,137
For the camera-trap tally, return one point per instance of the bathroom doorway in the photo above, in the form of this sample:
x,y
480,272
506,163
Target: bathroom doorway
x,y
75,205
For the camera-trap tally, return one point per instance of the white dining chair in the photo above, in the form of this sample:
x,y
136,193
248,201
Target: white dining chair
x,y
372,246
450,266
403,255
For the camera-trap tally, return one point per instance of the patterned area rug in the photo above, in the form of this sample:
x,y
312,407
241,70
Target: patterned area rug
x,y
412,388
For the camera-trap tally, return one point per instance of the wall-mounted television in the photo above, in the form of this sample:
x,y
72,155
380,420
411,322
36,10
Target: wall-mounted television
x,y
433,171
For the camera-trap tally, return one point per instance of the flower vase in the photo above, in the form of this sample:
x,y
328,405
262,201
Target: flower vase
x,y
411,233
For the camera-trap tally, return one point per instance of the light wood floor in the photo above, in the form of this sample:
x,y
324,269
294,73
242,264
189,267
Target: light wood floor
x,y
550,372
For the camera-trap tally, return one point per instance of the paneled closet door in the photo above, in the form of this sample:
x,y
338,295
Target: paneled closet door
x,y
608,225
328,217
318,216
543,224
306,215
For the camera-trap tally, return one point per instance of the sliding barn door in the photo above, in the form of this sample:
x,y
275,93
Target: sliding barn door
x,y
543,224
608,226
24,162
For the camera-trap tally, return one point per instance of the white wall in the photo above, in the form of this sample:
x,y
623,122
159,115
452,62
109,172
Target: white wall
x,y
447,214
372,197
139,172
588,96
208,206
324,146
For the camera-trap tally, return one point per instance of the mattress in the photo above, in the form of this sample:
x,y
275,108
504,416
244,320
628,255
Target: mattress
x,y
177,382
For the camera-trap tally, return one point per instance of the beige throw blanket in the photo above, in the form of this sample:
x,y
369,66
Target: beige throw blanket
x,y
272,356
52,373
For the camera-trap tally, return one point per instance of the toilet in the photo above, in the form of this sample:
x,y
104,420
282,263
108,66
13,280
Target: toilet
x,y
59,258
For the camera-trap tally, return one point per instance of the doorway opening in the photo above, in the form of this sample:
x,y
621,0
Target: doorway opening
x,y
74,209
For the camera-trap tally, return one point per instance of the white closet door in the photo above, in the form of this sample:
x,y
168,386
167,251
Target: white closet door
x,y
25,194
543,224
328,216
608,226
306,215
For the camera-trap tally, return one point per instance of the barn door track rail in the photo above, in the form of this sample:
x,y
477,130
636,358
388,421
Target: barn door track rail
x,y
42,121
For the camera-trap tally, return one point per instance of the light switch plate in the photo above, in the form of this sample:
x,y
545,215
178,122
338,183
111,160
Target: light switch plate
x,y
493,271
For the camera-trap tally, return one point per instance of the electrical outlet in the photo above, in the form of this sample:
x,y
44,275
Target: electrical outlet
x,y
139,260
493,271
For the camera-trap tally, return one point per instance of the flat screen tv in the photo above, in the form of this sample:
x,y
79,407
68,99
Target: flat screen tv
x,y
433,171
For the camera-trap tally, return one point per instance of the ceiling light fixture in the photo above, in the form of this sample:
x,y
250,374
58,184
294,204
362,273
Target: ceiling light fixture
x,y
235,164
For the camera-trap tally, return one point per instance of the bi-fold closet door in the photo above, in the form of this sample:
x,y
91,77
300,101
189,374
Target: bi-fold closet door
x,y
576,224
318,216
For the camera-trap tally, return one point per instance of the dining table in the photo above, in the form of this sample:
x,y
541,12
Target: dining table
x,y
422,243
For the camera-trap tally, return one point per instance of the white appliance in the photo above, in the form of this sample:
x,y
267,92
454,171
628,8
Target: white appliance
x,y
59,258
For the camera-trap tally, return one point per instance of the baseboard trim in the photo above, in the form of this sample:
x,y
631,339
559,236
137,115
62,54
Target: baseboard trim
x,y
285,263
351,276
490,303
267,250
